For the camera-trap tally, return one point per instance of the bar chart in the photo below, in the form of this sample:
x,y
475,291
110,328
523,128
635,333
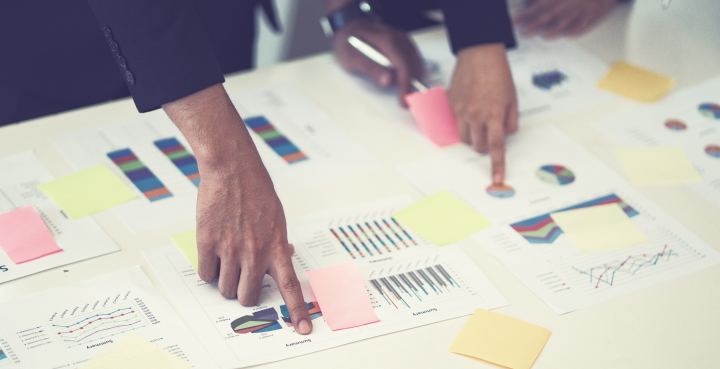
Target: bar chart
x,y
276,140
181,157
413,287
373,237
140,175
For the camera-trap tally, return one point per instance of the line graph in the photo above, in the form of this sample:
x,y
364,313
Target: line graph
x,y
605,274
94,326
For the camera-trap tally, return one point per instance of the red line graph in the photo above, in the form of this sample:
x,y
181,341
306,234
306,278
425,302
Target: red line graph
x,y
91,322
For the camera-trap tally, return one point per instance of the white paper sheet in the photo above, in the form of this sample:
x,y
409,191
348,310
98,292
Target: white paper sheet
x,y
67,326
677,120
542,256
80,239
332,153
534,56
449,285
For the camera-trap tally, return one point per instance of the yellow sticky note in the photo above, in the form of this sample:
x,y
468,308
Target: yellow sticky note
x,y
599,228
635,83
442,218
87,191
500,339
133,351
658,165
187,243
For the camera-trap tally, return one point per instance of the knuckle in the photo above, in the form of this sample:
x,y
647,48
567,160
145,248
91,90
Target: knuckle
x,y
289,284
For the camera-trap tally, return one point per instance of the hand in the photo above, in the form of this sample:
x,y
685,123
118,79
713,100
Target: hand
x,y
394,44
483,100
557,17
241,229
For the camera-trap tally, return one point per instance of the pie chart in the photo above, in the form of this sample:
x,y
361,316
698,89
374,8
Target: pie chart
x,y
500,191
555,174
710,110
675,125
712,150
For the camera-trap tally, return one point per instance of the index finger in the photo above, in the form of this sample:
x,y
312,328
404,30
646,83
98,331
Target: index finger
x,y
496,144
291,291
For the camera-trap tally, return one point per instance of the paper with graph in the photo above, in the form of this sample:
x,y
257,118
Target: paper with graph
x,y
79,239
65,327
689,118
548,172
300,145
410,282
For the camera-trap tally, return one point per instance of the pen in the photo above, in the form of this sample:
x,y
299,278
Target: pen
x,y
379,58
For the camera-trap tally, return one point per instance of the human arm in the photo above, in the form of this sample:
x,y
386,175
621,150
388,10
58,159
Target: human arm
x,y
241,231
482,94
393,43
557,17
240,222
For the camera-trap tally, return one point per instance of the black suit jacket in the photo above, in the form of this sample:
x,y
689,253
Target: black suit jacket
x,y
63,54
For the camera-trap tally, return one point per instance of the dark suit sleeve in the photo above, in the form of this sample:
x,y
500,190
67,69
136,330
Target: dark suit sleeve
x,y
163,45
477,22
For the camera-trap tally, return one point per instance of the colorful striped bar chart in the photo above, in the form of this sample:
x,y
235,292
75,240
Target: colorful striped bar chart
x,y
409,288
276,140
139,175
543,230
372,238
181,157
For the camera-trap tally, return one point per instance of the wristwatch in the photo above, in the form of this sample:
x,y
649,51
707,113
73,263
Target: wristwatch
x,y
336,20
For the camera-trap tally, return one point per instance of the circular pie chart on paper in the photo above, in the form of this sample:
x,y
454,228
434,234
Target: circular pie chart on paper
x,y
710,110
713,150
555,174
675,125
501,191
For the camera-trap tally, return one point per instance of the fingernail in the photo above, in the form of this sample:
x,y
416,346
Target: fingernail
x,y
497,178
304,327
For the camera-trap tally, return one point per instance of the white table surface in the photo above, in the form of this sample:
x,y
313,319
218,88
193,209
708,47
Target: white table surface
x,y
674,324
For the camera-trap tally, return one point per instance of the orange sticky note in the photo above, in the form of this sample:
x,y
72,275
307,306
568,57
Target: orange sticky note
x,y
500,339
635,83
24,236
341,293
433,115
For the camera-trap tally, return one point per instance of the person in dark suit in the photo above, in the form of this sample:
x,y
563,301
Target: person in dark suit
x,y
171,54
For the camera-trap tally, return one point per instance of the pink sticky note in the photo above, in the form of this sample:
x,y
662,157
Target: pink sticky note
x,y
24,236
341,293
432,114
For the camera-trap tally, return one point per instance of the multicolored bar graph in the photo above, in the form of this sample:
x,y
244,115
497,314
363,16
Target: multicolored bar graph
x,y
276,140
139,174
406,288
543,230
372,239
181,157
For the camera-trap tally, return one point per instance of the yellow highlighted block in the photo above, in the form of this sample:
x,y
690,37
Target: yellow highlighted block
x,y
501,340
658,165
599,228
187,243
442,218
88,191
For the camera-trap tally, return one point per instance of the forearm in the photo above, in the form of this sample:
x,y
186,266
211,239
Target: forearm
x,y
214,129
